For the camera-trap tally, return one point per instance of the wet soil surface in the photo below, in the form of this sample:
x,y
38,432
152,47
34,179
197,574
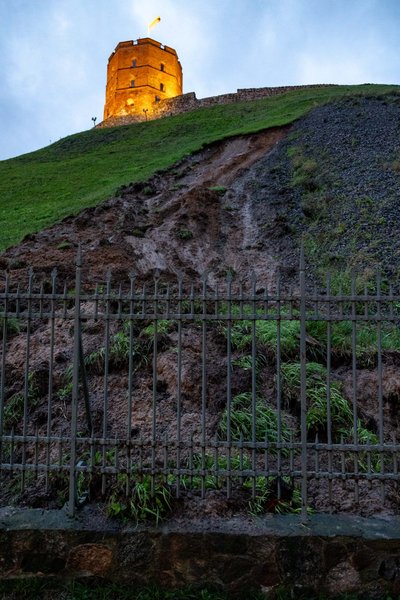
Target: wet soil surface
x,y
231,208
197,217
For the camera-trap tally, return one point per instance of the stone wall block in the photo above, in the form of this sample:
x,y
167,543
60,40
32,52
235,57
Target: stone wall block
x,y
335,553
301,560
135,552
342,578
389,568
90,559
7,559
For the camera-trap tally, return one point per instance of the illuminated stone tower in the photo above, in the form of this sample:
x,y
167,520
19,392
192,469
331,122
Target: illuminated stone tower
x,y
139,74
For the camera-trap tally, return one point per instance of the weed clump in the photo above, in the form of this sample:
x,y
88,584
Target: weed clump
x,y
240,421
146,499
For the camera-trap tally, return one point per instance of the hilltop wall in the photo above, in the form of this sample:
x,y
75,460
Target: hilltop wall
x,y
188,102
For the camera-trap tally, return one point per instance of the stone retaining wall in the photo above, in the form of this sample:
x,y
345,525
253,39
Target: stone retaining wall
x,y
329,554
188,102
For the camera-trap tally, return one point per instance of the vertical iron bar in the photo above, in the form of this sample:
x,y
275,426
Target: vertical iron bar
x,y
105,380
130,360
303,390
278,386
3,366
316,456
266,457
40,315
154,407
354,380
178,388
380,379
203,380
229,384
18,302
165,470
36,453
26,377
75,385
253,384
328,387
51,366
241,461
342,459
12,449
96,302
130,380
190,461
65,301
215,466
395,463
3,358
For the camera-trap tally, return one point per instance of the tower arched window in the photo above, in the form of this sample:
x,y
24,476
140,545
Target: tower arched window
x,y
133,83
162,89
134,63
162,67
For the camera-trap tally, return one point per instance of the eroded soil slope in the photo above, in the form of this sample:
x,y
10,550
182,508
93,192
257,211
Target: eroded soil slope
x,y
240,207
198,216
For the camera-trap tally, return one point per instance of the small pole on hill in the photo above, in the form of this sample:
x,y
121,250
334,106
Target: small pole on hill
x,y
94,119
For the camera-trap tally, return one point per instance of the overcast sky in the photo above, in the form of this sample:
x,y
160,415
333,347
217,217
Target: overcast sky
x,y
54,53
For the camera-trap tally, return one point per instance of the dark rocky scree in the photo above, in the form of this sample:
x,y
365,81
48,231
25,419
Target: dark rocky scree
x,y
350,196
239,206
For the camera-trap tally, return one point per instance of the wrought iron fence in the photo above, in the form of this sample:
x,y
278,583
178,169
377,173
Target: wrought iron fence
x,y
285,398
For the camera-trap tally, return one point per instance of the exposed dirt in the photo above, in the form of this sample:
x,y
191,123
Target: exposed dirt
x,y
230,208
194,218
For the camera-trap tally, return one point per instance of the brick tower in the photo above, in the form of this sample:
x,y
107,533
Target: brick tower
x,y
140,73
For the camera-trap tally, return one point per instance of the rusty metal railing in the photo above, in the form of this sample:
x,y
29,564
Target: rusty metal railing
x,y
287,397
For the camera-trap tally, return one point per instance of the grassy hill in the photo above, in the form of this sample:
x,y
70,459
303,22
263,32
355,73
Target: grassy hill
x,y
42,187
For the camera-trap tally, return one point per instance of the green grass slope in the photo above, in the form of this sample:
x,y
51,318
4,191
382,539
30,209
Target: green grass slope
x,y
42,187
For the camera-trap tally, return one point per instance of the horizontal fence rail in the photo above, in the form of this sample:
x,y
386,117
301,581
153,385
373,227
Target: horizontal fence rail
x,y
285,400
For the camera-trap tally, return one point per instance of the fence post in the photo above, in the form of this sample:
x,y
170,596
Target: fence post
x,y
75,384
3,367
303,388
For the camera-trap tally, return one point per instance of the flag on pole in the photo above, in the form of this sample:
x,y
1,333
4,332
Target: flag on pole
x,y
153,24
